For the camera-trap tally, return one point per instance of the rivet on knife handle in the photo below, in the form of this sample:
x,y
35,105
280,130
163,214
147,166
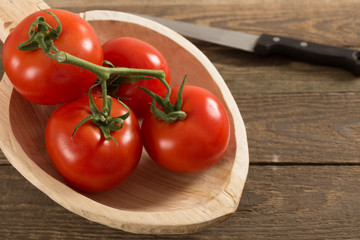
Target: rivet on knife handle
x,y
309,52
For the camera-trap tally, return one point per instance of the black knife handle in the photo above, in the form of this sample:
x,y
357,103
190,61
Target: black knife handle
x,y
309,52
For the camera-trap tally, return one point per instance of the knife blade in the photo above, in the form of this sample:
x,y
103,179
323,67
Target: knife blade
x,y
268,44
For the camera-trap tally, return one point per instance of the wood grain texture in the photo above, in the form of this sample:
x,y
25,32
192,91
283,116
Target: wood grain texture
x,y
302,128
12,12
329,22
279,202
332,22
302,123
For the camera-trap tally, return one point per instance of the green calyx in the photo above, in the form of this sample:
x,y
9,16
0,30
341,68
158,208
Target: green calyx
x,y
170,112
102,119
42,35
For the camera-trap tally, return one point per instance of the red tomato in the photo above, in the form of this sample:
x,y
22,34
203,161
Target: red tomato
x,y
194,143
134,53
41,79
89,162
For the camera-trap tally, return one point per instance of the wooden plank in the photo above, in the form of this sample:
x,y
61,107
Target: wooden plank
x,y
314,21
299,202
3,160
247,73
310,202
302,128
319,21
333,22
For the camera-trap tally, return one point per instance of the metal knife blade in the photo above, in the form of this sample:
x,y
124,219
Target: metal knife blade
x,y
210,34
267,44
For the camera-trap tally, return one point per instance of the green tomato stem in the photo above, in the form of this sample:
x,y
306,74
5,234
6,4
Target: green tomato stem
x,y
42,35
170,112
106,109
103,73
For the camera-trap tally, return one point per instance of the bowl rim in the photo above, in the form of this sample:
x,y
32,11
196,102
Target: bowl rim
x,y
216,210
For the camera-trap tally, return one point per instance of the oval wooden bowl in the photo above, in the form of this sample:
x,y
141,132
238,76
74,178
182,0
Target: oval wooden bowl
x,y
153,200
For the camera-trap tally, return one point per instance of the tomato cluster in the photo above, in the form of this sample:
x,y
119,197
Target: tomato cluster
x,y
94,140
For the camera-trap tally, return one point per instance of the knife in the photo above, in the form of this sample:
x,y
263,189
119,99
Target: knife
x,y
267,44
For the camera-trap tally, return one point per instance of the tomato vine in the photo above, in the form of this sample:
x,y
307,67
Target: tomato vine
x,y
42,36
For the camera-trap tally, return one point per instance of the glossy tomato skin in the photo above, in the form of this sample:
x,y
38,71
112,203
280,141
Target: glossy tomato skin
x,y
89,162
194,143
134,53
42,80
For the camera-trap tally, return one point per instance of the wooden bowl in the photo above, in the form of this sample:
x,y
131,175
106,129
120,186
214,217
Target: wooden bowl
x,y
153,200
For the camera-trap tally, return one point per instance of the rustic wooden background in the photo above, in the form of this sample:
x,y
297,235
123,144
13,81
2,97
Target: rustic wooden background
x,y
302,121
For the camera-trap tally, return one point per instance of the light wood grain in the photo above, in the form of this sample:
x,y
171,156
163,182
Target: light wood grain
x,y
12,12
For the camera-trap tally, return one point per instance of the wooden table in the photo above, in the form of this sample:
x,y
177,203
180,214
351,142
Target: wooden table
x,y
303,126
